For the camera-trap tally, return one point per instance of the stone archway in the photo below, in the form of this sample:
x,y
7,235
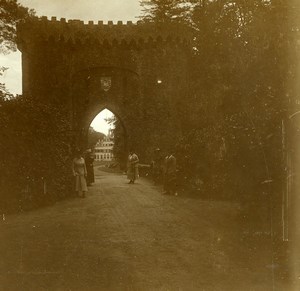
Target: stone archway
x,y
91,66
95,97
124,144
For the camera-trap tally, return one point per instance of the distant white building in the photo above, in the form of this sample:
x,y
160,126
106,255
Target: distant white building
x,y
104,148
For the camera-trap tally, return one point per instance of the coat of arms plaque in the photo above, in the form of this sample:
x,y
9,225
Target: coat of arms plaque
x,y
105,83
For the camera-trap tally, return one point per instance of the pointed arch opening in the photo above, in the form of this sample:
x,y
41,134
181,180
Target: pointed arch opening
x,y
107,140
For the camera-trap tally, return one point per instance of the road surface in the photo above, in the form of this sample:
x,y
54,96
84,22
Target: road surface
x,y
131,237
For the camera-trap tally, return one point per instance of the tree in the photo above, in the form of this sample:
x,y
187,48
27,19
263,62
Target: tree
x,y
10,13
37,150
36,165
238,90
93,137
4,93
119,138
164,10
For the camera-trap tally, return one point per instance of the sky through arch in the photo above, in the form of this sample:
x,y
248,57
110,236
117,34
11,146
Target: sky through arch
x,y
100,124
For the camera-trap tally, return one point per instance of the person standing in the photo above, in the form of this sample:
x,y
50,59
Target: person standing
x,y
80,173
132,167
89,162
170,174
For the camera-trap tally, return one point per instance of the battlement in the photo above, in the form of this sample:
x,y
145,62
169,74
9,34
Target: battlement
x,y
73,30
90,22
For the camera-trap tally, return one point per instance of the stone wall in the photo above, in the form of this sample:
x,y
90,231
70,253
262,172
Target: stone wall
x,y
64,61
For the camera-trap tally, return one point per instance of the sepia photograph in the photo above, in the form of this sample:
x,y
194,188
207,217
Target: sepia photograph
x,y
149,145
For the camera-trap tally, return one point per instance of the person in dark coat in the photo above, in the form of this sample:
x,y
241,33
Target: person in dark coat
x,y
89,162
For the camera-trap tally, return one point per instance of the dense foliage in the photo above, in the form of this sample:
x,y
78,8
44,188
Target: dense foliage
x,y
35,164
93,137
10,13
164,10
35,143
241,81
242,69
4,93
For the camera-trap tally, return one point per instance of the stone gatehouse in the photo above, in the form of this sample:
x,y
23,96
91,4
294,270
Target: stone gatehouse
x,y
92,66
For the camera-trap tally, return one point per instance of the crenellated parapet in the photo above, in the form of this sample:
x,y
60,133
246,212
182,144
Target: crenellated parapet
x,y
87,67
76,31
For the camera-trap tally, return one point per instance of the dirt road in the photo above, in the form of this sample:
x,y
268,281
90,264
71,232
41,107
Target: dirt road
x,y
130,237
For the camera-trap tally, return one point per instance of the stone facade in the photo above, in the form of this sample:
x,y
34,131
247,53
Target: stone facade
x,y
90,67
104,149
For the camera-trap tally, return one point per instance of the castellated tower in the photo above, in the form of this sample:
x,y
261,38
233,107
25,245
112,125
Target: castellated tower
x,y
91,66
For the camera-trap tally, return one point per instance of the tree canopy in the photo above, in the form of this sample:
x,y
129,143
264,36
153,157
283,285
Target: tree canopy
x,y
10,13
93,137
164,10
35,135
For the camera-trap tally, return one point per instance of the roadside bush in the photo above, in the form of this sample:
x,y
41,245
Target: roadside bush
x,y
35,160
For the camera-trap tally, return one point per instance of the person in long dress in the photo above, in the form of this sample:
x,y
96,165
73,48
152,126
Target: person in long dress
x,y
132,167
89,163
80,173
